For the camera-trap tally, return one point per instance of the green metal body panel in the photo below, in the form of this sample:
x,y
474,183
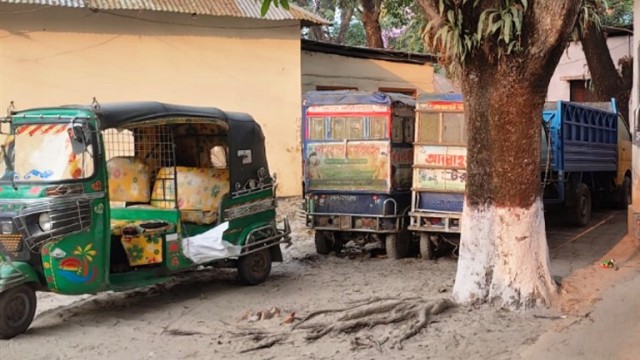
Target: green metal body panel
x,y
15,273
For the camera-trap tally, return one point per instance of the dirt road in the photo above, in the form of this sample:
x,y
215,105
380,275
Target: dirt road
x,y
210,315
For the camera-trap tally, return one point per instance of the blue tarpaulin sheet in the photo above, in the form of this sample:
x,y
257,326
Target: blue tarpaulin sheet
x,y
348,97
440,97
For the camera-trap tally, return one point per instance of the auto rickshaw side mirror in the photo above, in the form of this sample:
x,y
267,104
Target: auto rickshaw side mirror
x,y
80,136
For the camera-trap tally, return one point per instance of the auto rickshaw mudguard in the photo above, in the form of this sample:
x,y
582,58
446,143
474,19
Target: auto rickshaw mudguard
x,y
276,253
15,273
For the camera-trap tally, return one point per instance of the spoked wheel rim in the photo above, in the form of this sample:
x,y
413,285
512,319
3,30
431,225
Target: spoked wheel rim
x,y
18,309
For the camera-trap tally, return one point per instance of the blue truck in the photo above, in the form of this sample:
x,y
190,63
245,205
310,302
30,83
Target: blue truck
x,y
585,153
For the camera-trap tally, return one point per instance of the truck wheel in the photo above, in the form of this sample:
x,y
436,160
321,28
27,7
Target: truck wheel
x,y
625,194
17,308
581,212
254,268
324,242
427,248
397,245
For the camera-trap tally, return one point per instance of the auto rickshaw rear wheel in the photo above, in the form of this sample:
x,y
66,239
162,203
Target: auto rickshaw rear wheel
x,y
254,268
397,245
17,308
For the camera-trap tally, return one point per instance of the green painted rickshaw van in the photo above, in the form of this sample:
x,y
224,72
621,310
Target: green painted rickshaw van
x,y
124,195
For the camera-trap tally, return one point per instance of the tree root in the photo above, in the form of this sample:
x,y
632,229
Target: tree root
x,y
266,343
416,312
377,312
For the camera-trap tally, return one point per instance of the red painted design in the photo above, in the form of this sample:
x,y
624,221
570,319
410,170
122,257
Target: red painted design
x,y
35,190
45,251
49,278
34,129
173,247
97,185
175,261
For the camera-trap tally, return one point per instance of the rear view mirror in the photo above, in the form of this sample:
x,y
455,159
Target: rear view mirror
x,y
80,136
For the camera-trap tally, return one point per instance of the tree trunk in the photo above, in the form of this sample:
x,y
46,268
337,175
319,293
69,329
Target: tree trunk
x,y
504,256
345,21
371,22
607,81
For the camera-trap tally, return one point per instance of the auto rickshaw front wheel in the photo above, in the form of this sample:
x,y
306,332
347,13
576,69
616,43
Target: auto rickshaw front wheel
x,y
254,268
17,308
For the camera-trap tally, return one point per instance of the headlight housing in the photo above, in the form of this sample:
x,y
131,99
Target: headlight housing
x,y
44,221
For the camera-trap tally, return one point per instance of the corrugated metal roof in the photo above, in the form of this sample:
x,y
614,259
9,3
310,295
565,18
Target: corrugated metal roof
x,y
234,8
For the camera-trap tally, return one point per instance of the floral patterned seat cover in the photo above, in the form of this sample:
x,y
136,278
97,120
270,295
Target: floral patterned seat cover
x,y
128,179
200,191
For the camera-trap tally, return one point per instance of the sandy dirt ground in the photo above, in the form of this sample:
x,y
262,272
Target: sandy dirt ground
x,y
208,315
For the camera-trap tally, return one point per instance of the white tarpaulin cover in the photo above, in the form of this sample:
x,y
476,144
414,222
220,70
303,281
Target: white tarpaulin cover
x,y
209,246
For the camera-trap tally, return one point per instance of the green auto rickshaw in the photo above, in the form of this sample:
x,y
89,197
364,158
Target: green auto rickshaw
x,y
124,195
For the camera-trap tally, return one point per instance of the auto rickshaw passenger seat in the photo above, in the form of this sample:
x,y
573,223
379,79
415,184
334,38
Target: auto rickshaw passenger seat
x,y
128,179
200,192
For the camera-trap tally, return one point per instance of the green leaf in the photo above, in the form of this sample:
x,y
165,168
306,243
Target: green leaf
x,y
506,31
451,17
491,28
265,7
517,19
497,25
481,24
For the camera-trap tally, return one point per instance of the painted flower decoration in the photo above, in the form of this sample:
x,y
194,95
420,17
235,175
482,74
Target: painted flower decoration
x,y
153,240
136,252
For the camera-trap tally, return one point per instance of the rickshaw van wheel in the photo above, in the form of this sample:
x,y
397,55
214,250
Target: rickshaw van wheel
x,y
397,245
427,251
254,268
323,242
17,309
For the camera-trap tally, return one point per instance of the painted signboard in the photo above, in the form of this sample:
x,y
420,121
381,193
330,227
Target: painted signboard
x,y
443,106
353,165
441,168
351,108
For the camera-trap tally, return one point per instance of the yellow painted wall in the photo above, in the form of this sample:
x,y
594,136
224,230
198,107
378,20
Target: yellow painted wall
x,y
53,56
364,74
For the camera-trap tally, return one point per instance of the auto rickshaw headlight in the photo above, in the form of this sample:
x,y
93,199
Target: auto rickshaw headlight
x,y
44,221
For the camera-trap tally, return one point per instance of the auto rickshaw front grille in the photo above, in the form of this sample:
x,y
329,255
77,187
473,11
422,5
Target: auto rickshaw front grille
x,y
11,243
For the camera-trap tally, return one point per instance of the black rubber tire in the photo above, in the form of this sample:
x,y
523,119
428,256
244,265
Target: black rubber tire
x,y
324,243
17,308
427,248
581,213
625,194
397,245
338,245
254,268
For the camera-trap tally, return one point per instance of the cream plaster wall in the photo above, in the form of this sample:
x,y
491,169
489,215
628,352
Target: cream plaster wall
x,y
54,56
574,65
364,74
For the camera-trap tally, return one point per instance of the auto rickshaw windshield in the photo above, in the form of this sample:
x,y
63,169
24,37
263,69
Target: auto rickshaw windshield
x,y
44,153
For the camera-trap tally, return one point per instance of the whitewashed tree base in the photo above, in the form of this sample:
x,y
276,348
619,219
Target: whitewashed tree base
x,y
504,257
